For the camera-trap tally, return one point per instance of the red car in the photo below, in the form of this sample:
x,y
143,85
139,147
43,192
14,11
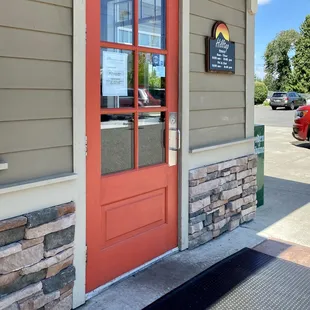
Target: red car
x,y
301,127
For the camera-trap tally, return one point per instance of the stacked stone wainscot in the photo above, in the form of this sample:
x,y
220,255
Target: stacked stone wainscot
x,y
221,197
36,259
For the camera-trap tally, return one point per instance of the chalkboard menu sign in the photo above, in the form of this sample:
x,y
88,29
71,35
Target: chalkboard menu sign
x,y
220,51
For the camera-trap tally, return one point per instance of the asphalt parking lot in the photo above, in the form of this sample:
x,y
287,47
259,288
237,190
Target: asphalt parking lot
x,y
278,118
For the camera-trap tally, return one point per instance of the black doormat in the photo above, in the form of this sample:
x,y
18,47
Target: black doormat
x,y
246,280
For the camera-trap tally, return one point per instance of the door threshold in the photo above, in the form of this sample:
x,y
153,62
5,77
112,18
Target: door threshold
x,y
104,287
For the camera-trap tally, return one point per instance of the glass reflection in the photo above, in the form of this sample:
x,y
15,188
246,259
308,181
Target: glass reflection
x,y
152,149
117,79
152,23
117,143
117,21
152,79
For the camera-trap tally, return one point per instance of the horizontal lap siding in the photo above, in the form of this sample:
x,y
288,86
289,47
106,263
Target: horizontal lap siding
x,y
216,135
35,164
217,101
235,4
34,104
65,3
35,88
211,118
51,46
39,134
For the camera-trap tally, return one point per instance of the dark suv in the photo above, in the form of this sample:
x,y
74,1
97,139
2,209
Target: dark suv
x,y
288,100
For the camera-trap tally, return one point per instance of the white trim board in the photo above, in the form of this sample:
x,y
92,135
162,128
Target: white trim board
x,y
219,146
21,186
183,155
226,152
249,65
79,151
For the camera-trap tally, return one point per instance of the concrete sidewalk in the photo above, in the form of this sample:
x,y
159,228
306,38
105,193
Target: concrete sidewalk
x,y
286,213
285,216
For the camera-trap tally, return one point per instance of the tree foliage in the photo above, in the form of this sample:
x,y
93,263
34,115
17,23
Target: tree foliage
x,y
270,82
278,65
147,77
261,92
301,60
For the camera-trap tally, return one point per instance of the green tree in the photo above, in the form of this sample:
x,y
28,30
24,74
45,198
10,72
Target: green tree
x,y
278,64
261,92
146,77
270,82
301,60
154,80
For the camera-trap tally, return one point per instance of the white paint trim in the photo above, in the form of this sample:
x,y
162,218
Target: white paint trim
x,y
104,287
252,6
219,146
249,92
15,187
79,151
224,153
3,165
36,198
184,70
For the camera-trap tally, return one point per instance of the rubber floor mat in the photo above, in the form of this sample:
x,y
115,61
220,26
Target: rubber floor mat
x,y
247,280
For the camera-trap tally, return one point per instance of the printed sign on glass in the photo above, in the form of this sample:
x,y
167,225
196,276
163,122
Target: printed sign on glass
x,y
220,51
114,74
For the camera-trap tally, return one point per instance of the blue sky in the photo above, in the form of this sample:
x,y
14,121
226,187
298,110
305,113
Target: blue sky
x,y
272,17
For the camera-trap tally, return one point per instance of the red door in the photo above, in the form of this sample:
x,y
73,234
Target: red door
x,y
132,88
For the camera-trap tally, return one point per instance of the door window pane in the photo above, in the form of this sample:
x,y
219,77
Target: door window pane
x,y
152,23
117,143
152,79
117,21
117,79
152,149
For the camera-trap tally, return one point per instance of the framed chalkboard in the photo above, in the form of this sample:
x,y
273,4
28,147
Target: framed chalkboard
x,y
220,51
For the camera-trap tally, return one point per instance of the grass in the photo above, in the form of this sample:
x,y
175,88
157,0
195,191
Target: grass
x,y
266,104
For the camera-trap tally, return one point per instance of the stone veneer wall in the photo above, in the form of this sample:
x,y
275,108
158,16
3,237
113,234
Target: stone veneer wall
x,y
222,196
36,259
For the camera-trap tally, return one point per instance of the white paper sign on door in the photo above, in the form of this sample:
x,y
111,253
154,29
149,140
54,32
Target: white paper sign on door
x,y
114,74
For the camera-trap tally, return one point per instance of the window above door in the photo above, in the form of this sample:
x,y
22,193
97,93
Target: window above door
x,y
118,22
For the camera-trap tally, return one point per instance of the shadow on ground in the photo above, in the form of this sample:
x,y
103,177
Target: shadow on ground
x,y
286,213
305,145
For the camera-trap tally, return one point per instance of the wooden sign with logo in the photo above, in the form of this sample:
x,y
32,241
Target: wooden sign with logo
x,y
220,51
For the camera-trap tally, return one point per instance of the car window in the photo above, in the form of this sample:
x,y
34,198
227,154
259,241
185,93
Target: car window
x,y
130,93
279,95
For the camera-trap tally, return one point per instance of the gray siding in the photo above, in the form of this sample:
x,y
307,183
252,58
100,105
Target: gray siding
x,y
35,88
217,101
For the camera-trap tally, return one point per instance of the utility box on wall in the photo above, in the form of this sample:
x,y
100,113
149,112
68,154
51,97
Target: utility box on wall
x,y
259,134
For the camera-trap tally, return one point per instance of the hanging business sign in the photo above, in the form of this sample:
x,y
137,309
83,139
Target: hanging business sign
x,y
220,51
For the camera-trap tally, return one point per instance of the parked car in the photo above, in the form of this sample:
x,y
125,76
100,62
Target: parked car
x,y
301,127
125,101
288,100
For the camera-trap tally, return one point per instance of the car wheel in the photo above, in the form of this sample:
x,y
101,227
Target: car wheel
x,y
273,108
292,106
